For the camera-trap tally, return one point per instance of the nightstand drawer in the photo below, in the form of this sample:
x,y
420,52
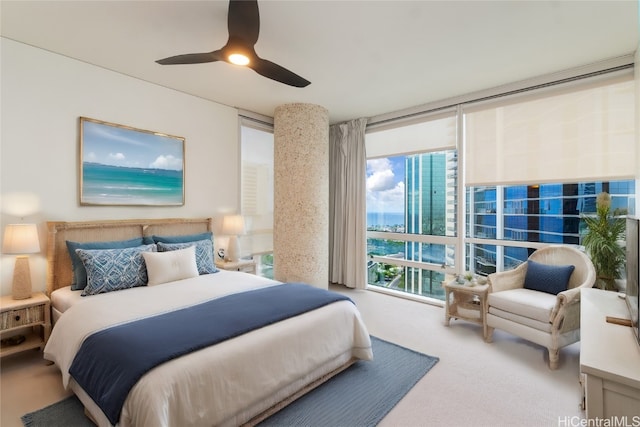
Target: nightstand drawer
x,y
249,268
22,317
246,266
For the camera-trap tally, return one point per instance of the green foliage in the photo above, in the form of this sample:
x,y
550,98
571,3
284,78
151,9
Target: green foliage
x,y
388,271
604,230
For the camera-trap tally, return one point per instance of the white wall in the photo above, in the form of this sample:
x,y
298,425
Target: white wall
x,y
42,96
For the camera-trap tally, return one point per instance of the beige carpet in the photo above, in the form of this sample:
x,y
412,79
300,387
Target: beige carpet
x,y
506,383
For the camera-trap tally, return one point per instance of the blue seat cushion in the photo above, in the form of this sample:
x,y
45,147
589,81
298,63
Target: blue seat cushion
x,y
551,279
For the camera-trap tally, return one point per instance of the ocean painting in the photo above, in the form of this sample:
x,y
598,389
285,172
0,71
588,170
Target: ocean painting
x,y
127,166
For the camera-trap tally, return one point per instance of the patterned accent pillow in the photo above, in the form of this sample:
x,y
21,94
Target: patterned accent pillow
x,y
551,279
204,253
114,269
79,272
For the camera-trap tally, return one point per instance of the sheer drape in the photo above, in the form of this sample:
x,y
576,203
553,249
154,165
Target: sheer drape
x,y
347,204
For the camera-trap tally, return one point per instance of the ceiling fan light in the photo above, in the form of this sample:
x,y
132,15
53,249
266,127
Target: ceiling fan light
x,y
238,59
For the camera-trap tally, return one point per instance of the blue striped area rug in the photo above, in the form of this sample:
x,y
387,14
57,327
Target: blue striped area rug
x,y
360,396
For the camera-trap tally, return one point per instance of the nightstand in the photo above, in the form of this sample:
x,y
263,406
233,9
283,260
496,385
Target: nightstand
x,y
247,265
32,314
467,302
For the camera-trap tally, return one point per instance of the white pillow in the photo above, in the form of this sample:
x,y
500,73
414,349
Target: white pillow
x,y
163,267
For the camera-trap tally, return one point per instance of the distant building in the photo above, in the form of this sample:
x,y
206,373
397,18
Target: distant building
x,y
430,206
548,213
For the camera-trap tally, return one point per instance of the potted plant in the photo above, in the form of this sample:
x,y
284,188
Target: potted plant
x,y
604,231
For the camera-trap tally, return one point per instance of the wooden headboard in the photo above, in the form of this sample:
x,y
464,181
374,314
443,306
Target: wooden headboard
x,y
59,273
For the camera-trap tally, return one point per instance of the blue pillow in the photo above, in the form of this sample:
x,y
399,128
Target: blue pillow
x,y
79,272
204,253
114,269
184,238
551,279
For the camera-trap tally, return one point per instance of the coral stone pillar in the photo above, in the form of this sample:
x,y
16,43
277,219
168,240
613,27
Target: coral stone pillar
x,y
301,194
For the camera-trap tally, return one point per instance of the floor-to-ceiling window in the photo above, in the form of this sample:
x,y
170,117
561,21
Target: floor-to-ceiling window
x,y
526,169
256,141
536,162
533,215
411,205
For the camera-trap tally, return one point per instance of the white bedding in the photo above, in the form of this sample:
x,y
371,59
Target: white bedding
x,y
226,384
62,299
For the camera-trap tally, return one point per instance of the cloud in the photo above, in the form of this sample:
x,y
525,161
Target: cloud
x,y
114,159
384,194
391,200
376,165
381,181
167,162
380,175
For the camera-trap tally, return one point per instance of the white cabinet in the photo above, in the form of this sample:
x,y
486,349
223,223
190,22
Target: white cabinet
x,y
609,358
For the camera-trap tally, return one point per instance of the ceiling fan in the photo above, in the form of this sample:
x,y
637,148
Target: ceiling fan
x,y
243,24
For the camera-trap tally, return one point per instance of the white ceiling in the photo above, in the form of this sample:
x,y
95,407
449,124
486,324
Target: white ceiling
x,y
363,58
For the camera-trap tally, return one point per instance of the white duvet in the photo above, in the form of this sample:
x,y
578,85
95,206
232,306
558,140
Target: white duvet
x,y
226,384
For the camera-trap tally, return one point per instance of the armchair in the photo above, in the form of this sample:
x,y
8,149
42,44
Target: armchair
x,y
547,319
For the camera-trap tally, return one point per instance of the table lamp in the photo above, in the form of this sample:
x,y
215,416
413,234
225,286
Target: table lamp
x,y
21,239
232,226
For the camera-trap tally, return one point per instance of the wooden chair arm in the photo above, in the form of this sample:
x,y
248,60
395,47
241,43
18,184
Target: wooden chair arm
x,y
570,295
506,280
565,298
567,317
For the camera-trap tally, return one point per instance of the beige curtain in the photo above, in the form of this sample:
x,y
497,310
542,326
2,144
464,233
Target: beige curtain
x,y
347,204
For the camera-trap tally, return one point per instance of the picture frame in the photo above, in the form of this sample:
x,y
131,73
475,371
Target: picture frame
x,y
125,166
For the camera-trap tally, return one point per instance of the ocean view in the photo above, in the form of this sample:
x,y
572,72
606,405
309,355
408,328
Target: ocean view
x,y
377,220
104,184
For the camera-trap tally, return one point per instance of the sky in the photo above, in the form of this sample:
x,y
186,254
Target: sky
x,y
116,146
385,184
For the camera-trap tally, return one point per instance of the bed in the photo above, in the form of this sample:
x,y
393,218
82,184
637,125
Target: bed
x,y
238,381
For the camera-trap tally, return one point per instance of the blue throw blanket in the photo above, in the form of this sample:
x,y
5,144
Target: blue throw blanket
x,y
111,361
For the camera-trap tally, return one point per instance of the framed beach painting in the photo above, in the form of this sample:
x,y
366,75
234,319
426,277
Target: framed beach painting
x,y
121,165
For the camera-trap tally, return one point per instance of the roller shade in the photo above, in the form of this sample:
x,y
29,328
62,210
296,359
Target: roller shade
x,y
419,135
576,134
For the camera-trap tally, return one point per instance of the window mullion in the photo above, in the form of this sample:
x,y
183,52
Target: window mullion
x,y
499,227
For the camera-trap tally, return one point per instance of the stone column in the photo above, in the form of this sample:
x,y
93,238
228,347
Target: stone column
x,y
301,194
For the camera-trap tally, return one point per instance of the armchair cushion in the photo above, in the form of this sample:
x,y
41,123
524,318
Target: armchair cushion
x,y
524,302
521,320
548,278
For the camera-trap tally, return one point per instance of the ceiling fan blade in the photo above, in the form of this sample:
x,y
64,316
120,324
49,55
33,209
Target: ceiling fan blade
x,y
192,58
277,73
243,21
